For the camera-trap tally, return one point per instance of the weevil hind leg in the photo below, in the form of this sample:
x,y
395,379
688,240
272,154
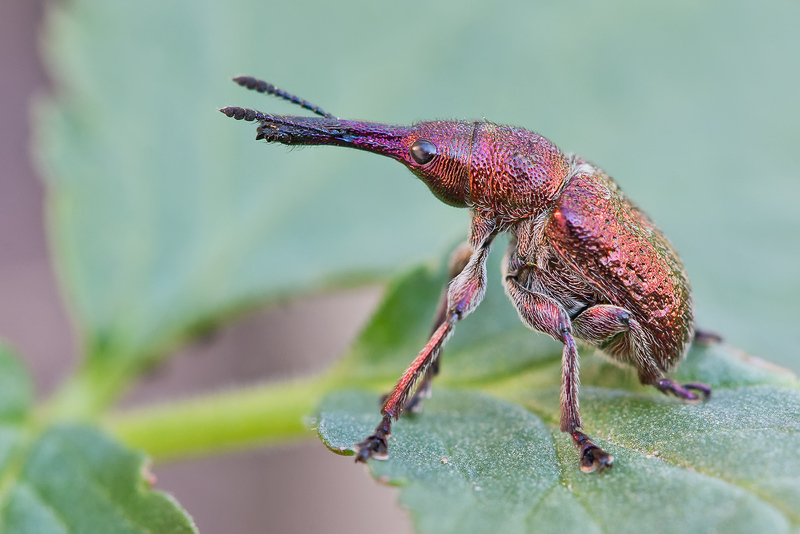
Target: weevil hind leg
x,y
621,337
707,337
692,393
544,314
600,323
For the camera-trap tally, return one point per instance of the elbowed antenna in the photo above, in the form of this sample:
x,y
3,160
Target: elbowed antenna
x,y
260,86
243,114
300,130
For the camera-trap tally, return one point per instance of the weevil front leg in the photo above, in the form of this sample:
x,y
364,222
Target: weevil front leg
x,y
544,314
464,293
458,261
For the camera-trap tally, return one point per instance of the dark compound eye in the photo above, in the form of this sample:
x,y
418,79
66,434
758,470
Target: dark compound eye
x,y
422,151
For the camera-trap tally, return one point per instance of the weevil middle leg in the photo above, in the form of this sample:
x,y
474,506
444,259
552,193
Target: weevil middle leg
x,y
543,313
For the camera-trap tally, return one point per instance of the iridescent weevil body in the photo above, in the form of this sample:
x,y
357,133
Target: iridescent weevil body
x,y
583,261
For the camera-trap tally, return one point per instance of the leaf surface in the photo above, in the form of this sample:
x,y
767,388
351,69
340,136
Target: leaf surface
x,y
487,454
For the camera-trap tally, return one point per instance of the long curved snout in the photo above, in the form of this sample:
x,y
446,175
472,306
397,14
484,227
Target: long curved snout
x,y
384,139
438,152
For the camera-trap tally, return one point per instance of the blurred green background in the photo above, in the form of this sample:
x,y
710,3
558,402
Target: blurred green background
x,y
164,209
164,215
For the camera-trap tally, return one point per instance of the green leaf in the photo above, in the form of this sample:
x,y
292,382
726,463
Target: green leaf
x,y
70,478
489,455
478,461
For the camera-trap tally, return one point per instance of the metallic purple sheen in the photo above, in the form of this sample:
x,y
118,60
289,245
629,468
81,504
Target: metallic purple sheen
x,y
583,261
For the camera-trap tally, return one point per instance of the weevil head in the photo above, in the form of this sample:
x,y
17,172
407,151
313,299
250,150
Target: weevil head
x,y
504,173
438,152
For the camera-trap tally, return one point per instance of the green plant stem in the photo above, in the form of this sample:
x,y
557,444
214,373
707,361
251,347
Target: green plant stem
x,y
89,392
265,414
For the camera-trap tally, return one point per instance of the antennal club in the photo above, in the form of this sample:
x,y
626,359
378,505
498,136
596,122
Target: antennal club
x,y
254,84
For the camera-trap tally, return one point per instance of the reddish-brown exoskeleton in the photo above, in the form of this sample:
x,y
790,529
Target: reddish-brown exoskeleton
x,y
583,262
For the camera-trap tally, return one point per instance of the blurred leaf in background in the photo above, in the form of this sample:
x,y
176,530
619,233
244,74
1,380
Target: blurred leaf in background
x,y
166,216
70,478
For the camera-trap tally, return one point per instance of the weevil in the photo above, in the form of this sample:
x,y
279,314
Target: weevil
x,y
583,262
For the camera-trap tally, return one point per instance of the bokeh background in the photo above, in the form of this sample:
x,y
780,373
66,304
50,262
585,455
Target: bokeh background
x,y
292,488
691,106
